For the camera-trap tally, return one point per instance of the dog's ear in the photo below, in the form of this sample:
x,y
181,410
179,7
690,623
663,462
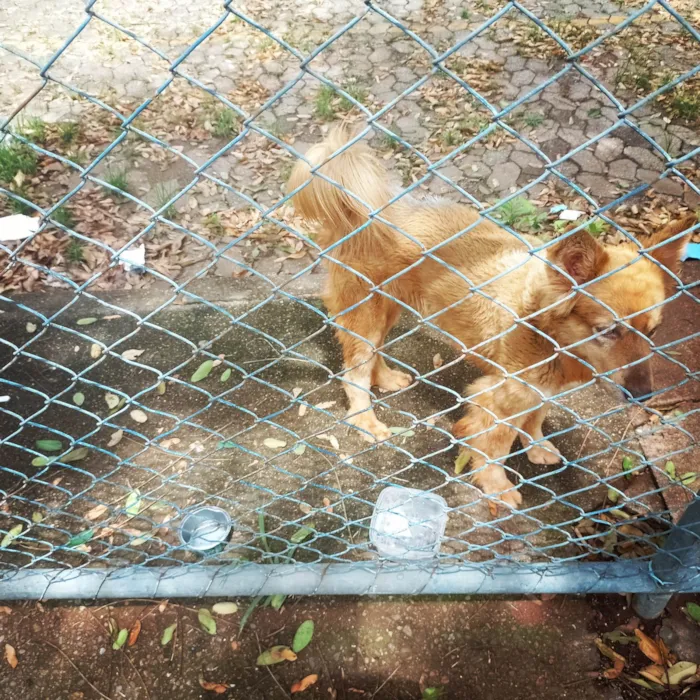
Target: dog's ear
x,y
669,254
579,255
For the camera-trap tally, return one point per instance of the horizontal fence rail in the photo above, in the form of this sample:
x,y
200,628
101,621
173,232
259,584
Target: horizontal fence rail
x,y
136,391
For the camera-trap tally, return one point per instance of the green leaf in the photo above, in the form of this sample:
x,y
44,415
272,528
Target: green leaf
x,y
112,400
81,538
249,611
133,503
462,460
680,671
688,478
120,641
42,461
49,445
86,321
161,388
301,534
79,398
670,469
76,455
299,449
613,495
37,517
203,371
12,535
227,445
277,601
628,466
226,375
207,622
168,633
693,610
432,693
403,432
303,636
226,608
618,637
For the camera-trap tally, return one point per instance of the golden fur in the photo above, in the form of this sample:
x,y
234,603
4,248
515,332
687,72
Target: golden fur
x,y
523,366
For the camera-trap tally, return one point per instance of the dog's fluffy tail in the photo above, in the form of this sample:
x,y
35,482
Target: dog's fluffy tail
x,y
365,185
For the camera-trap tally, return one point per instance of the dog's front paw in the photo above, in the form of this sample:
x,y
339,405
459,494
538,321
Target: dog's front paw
x,y
544,452
393,380
370,427
499,486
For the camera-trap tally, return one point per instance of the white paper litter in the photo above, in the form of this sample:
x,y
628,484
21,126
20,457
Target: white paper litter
x,y
17,227
570,215
134,258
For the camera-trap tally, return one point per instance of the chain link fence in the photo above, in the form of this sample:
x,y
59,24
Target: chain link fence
x,y
125,408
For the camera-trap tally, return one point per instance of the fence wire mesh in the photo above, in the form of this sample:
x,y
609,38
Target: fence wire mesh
x,y
137,391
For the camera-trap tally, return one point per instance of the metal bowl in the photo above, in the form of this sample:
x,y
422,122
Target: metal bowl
x,y
205,528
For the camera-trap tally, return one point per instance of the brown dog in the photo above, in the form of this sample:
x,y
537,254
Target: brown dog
x,y
512,312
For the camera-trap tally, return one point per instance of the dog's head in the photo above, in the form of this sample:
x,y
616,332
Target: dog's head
x,y
609,324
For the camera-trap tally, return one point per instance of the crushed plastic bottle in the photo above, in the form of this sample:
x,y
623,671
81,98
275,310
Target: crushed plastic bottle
x,y
408,523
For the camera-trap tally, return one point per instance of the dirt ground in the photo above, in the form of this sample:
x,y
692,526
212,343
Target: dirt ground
x,y
386,648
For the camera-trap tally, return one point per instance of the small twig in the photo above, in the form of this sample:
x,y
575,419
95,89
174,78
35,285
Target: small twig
x,y
70,661
391,675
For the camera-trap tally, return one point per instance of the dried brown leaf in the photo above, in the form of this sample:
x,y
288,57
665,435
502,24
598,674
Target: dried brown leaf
x,y
217,688
304,683
134,633
649,647
11,655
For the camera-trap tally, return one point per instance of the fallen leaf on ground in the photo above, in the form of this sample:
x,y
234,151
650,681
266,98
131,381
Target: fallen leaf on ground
x,y
304,683
206,621
79,398
95,351
115,438
132,354
299,450
96,512
112,400
134,633
324,405
120,640
274,443
617,659
693,610
680,671
437,361
225,608
296,391
31,327
276,655
138,415
49,445
133,503
203,371
226,375
75,455
168,634
303,635
160,389
462,460
12,535
302,410
277,601
654,673
649,647
86,321
217,688
11,655
80,538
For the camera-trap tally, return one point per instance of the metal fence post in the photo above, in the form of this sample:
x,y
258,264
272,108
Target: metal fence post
x,y
675,565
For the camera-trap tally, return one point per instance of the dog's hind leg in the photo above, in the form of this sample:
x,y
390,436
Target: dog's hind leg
x,y
383,376
544,452
365,332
